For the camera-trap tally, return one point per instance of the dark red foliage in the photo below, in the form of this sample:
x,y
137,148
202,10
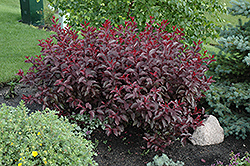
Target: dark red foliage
x,y
147,78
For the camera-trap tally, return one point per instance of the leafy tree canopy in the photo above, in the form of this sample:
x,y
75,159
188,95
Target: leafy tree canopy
x,y
187,14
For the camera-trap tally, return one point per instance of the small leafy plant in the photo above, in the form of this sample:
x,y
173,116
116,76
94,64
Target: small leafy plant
x,y
149,79
164,160
41,138
85,125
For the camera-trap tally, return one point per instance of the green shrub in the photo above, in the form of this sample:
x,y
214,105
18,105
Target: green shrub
x,y
229,98
188,15
230,102
164,160
48,14
39,139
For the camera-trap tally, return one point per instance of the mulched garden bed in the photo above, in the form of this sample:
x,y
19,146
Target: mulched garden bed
x,y
126,150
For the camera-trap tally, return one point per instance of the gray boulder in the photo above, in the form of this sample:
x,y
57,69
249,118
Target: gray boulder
x,y
209,134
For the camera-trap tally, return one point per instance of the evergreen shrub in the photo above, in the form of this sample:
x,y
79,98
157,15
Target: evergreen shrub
x,y
40,138
122,75
229,98
230,102
233,59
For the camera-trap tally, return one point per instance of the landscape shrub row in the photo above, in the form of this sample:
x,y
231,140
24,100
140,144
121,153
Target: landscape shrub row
x,y
34,140
148,78
124,74
232,63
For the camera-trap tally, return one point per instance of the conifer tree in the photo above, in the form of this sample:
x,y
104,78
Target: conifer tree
x,y
229,98
233,61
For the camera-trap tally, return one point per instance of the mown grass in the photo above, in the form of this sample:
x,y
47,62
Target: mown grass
x,y
17,40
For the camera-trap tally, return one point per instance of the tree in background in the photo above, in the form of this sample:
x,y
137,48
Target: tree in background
x,y
186,14
233,59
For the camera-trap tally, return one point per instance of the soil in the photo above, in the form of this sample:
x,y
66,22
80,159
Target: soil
x,y
126,150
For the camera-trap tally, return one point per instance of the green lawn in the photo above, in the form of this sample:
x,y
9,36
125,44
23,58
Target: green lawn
x,y
17,40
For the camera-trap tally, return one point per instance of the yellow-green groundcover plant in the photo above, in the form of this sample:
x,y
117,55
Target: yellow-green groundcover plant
x,y
40,139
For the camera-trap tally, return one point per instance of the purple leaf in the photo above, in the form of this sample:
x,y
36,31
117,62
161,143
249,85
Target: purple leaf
x,y
108,73
88,106
124,117
100,112
117,120
92,115
151,52
123,74
128,96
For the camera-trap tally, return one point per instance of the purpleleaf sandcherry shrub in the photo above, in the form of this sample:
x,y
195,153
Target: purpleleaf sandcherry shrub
x,y
148,79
